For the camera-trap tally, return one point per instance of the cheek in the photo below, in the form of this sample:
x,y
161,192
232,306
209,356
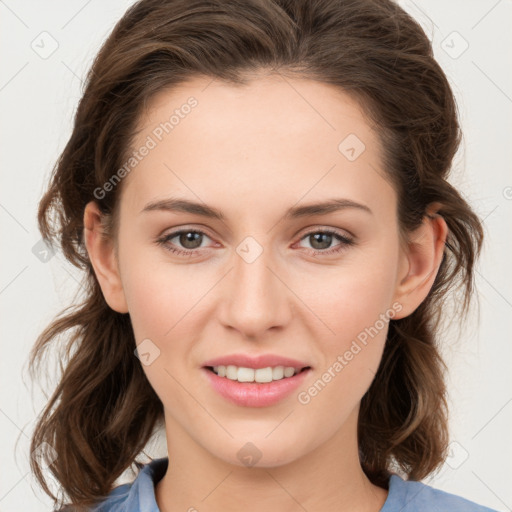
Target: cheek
x,y
162,306
160,296
355,305
355,295
359,319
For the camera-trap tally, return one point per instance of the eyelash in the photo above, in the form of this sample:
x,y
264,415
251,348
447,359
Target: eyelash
x,y
345,242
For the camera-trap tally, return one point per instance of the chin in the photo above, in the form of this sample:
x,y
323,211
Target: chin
x,y
259,453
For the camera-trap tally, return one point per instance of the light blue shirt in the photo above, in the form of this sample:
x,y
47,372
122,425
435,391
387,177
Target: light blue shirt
x,y
403,495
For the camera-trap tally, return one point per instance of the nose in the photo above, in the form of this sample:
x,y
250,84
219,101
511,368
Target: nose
x,y
255,296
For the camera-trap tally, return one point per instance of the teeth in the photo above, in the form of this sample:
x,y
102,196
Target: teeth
x,y
262,375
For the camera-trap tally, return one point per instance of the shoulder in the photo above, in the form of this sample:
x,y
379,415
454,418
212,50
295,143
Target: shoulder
x,y
410,495
137,495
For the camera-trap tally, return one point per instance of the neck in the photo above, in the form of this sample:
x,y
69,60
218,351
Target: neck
x,y
327,478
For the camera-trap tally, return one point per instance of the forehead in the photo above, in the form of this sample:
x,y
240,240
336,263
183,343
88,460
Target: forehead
x,y
274,137
269,104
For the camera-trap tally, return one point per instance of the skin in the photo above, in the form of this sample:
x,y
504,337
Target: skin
x,y
252,152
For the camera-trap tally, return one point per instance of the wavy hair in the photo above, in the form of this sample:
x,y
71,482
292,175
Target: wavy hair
x,y
103,410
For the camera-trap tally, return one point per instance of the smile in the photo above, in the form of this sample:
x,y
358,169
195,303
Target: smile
x,y
252,393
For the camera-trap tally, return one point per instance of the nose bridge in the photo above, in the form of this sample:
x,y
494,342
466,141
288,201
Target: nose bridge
x,y
257,299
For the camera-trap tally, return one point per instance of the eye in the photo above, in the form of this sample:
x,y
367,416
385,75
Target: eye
x,y
191,240
322,239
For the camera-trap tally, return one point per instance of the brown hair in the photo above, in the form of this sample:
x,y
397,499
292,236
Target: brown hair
x,y
103,410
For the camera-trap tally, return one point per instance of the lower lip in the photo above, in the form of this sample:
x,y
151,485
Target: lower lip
x,y
254,394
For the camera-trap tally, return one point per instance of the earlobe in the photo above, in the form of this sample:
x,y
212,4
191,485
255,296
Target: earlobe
x,y
103,259
424,255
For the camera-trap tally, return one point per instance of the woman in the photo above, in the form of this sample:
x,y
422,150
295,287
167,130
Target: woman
x,y
257,191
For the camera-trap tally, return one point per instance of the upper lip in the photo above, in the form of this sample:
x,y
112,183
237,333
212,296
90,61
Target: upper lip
x,y
260,361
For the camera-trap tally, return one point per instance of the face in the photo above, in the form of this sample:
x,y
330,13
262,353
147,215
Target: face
x,y
269,277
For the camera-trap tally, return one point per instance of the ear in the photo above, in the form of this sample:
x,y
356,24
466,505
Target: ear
x,y
103,258
421,261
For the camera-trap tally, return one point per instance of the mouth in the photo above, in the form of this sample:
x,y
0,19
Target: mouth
x,y
255,387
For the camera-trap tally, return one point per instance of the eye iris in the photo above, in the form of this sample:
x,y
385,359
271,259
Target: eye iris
x,y
317,237
190,236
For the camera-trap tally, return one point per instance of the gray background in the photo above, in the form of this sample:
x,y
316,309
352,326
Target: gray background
x,y
46,49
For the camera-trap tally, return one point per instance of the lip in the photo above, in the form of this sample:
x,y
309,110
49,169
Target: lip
x,y
260,361
255,394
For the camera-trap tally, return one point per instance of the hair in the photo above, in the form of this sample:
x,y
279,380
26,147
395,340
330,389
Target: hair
x,y
103,410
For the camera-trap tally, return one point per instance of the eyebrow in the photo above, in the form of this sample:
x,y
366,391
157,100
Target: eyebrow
x,y
295,212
